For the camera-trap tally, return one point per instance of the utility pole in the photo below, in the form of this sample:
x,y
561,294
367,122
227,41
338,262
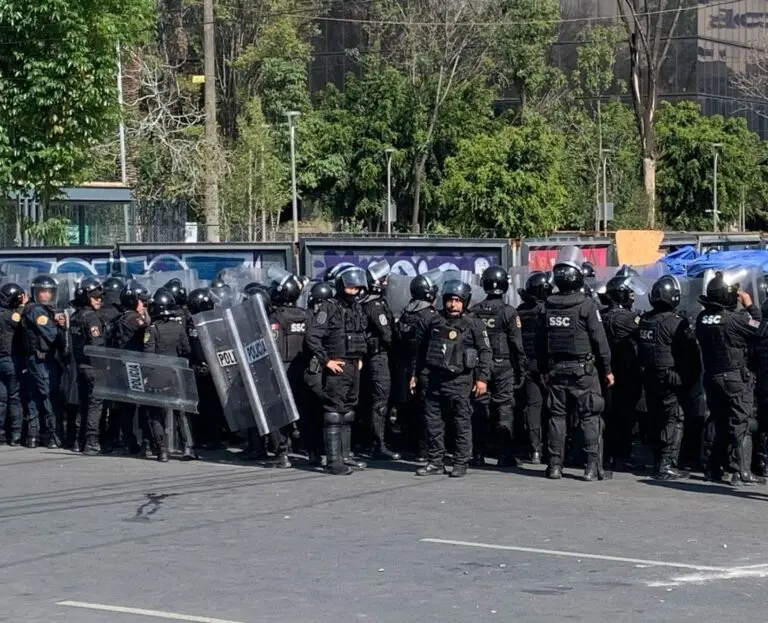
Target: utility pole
x,y
212,215
388,213
292,116
123,155
715,213
604,162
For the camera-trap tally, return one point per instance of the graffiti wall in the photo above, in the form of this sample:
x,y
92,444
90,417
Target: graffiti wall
x,y
406,257
78,260
206,259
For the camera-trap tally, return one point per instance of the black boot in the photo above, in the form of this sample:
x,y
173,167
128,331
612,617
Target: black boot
x,y
32,442
665,471
459,471
744,457
91,447
534,437
186,438
254,450
15,440
334,464
189,454
283,462
162,454
591,472
383,453
554,472
430,469
346,449
54,441
147,449
507,458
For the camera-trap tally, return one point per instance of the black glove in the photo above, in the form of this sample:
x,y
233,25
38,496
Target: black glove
x,y
674,378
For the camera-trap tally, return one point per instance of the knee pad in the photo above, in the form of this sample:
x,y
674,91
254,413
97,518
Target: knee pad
x,y
333,419
349,417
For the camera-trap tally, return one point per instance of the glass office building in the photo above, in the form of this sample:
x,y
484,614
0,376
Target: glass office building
x,y
715,42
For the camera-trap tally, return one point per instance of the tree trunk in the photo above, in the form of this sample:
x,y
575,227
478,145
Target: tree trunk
x,y
417,175
649,184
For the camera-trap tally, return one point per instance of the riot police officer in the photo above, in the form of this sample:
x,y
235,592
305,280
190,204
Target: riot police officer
x,y
409,348
671,364
458,357
109,310
724,335
127,332
12,298
537,289
379,340
572,349
289,326
336,340
44,331
312,429
621,329
167,335
502,324
86,327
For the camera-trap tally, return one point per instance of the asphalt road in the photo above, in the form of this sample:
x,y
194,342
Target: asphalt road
x,y
91,540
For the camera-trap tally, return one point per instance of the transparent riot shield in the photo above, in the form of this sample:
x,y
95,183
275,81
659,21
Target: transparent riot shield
x,y
157,279
399,293
379,269
143,378
262,367
571,256
219,351
17,273
244,274
468,277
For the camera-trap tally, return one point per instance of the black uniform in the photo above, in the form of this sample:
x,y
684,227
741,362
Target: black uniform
x,y
127,332
502,325
111,422
338,333
724,336
533,389
289,326
165,336
408,349
456,354
671,365
12,351
760,365
44,340
621,330
378,338
572,348
86,327
211,422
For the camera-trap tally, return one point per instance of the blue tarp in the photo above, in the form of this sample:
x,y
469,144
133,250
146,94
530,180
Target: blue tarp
x,y
677,261
727,259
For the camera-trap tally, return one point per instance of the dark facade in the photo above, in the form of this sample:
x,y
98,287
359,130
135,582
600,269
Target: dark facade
x,y
714,42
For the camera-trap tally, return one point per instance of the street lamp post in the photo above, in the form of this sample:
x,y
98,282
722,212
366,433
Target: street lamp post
x,y
388,214
292,115
604,160
715,214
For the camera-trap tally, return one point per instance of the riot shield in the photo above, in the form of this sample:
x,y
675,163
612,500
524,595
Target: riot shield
x,y
143,378
570,255
468,277
246,368
399,293
379,269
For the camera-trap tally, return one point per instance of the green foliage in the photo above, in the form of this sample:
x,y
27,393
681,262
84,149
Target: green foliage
x,y
686,167
54,231
57,84
595,75
509,183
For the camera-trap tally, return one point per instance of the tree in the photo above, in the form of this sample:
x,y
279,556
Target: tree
x,y
507,184
256,188
650,27
686,175
57,85
440,45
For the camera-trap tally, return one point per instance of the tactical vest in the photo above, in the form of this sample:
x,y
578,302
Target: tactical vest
x,y
289,326
34,341
9,322
446,346
351,343
492,317
567,339
655,334
77,334
609,319
718,354
529,324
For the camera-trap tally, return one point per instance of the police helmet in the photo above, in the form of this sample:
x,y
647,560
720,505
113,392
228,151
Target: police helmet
x,y
88,288
665,293
333,271
720,291
285,291
377,275
538,287
352,277
199,300
113,284
132,293
177,289
619,291
221,293
321,291
588,270
455,288
44,283
163,304
11,295
567,278
495,281
424,289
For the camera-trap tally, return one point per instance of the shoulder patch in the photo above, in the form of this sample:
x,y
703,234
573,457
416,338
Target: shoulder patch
x,y
637,319
16,317
518,324
146,337
599,317
140,321
42,320
193,333
754,323
383,320
321,317
95,331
